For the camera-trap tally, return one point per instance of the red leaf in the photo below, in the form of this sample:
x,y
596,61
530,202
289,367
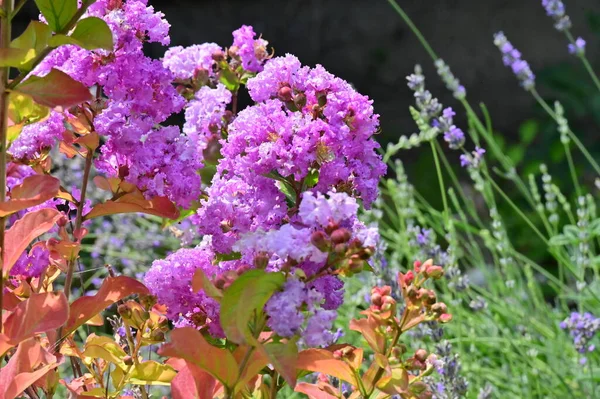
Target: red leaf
x,y
313,391
39,313
24,231
112,290
284,358
200,281
322,361
369,329
256,362
18,373
34,190
135,202
55,89
192,382
188,344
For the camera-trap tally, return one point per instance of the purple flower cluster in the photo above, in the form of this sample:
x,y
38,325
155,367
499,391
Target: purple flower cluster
x,y
37,138
139,96
556,10
170,280
472,160
512,58
251,52
582,328
453,135
578,48
32,264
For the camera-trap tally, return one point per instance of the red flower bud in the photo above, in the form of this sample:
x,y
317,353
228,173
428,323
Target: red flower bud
x,y
340,236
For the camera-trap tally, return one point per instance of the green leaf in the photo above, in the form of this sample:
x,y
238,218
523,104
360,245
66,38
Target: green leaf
x,y
249,293
58,13
91,33
15,57
516,153
152,373
283,357
35,37
559,240
55,89
528,130
229,79
225,257
312,178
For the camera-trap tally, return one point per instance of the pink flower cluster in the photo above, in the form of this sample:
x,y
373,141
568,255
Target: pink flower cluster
x,y
290,171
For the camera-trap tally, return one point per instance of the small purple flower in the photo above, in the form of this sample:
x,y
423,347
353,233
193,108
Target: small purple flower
x,y
582,328
512,58
578,48
454,137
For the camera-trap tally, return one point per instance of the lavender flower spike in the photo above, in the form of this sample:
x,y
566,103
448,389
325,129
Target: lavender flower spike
x,y
512,58
556,10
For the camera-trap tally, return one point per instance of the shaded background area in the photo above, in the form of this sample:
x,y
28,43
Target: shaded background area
x,y
367,43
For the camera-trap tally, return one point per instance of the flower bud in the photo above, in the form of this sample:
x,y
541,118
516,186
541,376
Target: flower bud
x,y
319,239
376,299
285,94
340,236
128,360
218,56
421,355
439,308
124,311
340,249
300,100
261,260
434,272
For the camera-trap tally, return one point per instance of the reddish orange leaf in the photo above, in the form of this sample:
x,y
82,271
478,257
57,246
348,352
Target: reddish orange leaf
x,y
112,290
369,329
19,374
191,382
24,231
200,281
39,313
33,191
313,391
284,358
256,362
188,344
55,89
322,361
133,203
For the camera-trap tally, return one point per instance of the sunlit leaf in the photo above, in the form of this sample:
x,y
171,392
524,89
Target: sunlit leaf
x,y
57,13
313,391
112,290
102,347
188,344
152,373
192,382
246,295
18,374
24,231
323,361
35,38
90,33
369,329
284,358
15,57
55,89
135,203
201,282
37,314
34,190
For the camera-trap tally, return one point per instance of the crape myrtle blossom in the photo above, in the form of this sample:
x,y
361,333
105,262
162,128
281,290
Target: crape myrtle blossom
x,y
252,52
139,95
185,62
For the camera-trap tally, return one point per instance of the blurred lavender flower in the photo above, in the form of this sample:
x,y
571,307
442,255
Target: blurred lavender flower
x,y
556,10
512,58
451,384
582,328
452,83
578,48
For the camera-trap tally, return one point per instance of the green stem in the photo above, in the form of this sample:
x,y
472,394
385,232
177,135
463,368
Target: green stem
x,y
572,135
5,37
18,7
415,30
441,182
572,170
584,60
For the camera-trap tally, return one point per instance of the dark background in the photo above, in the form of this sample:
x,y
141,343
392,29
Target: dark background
x,y
368,44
